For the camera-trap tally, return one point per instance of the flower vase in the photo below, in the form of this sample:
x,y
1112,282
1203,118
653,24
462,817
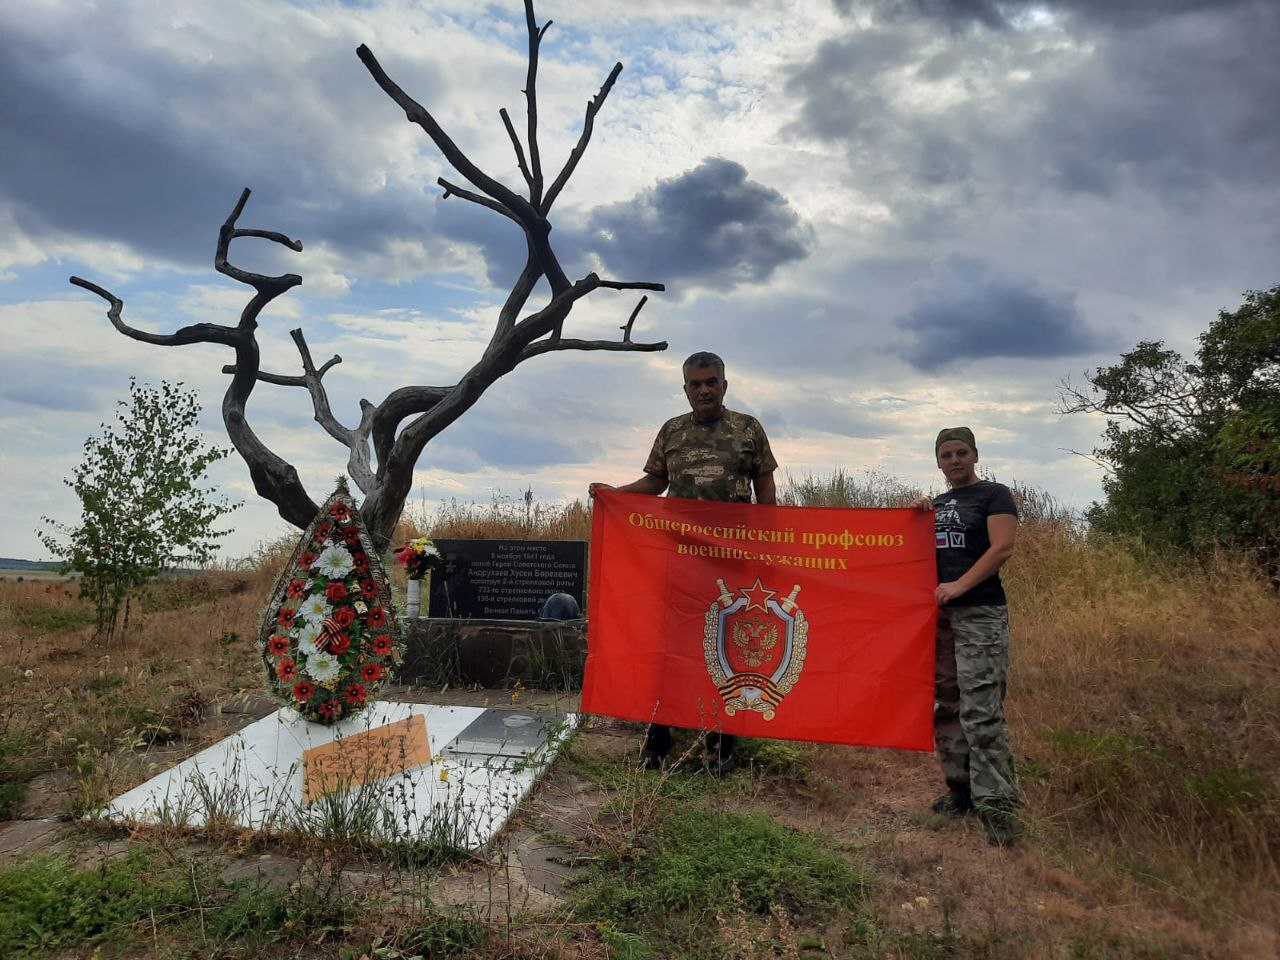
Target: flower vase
x,y
413,601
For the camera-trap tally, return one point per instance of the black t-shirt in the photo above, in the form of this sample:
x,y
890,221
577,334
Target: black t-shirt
x,y
960,534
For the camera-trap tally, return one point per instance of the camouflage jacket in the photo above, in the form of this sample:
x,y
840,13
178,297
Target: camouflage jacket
x,y
711,461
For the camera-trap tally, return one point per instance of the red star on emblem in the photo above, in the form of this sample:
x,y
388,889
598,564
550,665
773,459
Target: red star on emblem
x,y
757,595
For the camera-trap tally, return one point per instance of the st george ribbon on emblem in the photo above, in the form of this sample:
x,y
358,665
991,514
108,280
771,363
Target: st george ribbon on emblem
x,y
754,647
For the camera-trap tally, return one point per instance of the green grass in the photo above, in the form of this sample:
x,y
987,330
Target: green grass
x,y
46,618
16,770
659,895
49,905
444,936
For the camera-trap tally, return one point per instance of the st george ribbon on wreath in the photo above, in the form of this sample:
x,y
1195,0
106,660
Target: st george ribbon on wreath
x,y
798,623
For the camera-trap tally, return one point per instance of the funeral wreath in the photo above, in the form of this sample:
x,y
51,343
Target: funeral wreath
x,y
328,635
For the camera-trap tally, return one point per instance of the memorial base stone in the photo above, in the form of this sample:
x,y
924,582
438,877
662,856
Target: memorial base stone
x,y
457,786
494,653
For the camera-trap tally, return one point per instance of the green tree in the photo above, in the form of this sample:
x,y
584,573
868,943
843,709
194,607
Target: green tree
x,y
1192,450
142,507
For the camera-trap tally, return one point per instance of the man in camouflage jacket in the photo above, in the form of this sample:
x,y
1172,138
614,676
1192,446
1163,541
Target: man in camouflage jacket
x,y
710,453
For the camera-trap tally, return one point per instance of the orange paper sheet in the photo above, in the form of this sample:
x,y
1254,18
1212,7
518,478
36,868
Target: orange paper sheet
x,y
364,757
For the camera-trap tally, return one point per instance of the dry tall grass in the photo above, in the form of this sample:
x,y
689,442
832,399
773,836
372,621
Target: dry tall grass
x,y
1144,699
1146,693
502,518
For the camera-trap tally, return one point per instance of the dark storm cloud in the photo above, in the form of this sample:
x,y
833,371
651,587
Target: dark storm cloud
x,y
828,414
966,314
1180,106
487,440
102,141
711,225
1000,14
1170,103
841,86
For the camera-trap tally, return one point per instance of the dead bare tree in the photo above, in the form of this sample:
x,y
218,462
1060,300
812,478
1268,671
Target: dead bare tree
x,y
383,447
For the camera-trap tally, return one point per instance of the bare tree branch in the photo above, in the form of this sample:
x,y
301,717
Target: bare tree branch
x,y
399,405
451,190
280,380
274,478
517,298
626,328
525,212
630,285
550,346
388,440
1092,458
417,113
268,287
571,164
531,102
515,142
196,333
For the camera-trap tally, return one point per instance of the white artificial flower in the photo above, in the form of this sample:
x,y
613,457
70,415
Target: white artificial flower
x,y
314,609
323,666
306,636
334,562
361,606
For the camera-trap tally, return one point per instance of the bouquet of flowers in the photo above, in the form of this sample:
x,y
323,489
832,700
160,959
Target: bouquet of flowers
x,y
419,557
328,638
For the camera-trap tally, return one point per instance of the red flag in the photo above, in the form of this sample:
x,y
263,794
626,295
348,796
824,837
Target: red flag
x,y
801,623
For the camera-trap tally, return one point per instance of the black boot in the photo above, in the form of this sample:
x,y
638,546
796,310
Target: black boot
x,y
956,802
657,744
720,753
998,821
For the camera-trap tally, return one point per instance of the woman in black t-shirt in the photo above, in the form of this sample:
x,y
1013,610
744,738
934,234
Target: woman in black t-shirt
x,y
975,524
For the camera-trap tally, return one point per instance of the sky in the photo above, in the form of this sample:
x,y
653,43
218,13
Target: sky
x,y
888,216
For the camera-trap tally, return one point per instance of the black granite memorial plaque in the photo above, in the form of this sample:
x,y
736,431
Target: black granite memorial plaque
x,y
506,733
505,579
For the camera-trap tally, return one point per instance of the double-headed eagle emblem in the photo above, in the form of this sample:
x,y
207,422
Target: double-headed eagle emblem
x,y
754,647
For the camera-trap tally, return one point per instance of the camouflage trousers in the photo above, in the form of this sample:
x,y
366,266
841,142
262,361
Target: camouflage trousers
x,y
969,728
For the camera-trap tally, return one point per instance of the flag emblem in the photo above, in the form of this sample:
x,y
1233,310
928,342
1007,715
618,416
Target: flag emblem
x,y
754,646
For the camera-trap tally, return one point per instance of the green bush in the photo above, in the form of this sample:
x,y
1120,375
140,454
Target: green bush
x,y
48,903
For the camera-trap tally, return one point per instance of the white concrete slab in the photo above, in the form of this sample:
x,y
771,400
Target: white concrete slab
x,y
254,779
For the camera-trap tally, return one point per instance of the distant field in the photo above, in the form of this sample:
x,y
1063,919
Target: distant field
x,y
27,573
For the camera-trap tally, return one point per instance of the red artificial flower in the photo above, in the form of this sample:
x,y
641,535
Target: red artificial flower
x,y
331,709
355,694
370,672
303,691
360,561
278,645
344,617
381,644
297,589
286,670
340,512
306,560
351,535
368,589
335,591
377,617
322,530
339,643
286,617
